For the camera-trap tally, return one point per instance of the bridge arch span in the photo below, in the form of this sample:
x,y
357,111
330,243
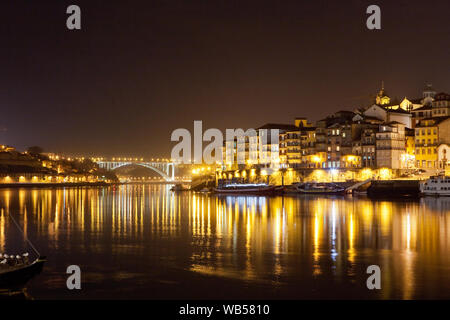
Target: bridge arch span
x,y
165,170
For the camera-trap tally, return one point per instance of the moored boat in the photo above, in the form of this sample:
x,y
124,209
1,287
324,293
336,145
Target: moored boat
x,y
320,188
179,187
238,188
16,276
435,186
287,189
17,270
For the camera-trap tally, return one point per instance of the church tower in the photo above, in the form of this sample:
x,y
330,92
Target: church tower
x,y
382,98
428,95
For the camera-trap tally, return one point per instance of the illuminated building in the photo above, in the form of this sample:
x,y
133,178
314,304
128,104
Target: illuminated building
x,y
390,145
334,145
410,156
5,148
274,150
443,152
406,105
429,134
365,147
350,161
420,114
382,98
290,147
296,143
441,105
388,115
310,159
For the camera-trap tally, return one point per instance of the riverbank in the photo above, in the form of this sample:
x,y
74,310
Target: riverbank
x,y
75,184
56,185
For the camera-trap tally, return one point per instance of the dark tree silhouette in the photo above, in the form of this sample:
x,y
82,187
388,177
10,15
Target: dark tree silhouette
x,y
35,150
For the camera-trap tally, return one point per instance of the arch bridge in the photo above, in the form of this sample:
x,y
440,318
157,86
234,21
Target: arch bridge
x,y
164,169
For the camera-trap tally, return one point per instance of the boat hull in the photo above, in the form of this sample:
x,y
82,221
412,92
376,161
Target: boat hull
x,y
17,278
252,191
435,186
302,191
436,194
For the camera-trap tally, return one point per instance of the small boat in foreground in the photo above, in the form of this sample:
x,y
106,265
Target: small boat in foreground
x,y
320,188
435,186
16,276
247,188
17,270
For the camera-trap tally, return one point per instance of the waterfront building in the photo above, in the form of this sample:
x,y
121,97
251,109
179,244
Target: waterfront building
x,y
443,152
333,146
296,142
269,151
426,136
429,134
365,147
390,145
308,149
409,157
441,105
290,148
236,155
319,157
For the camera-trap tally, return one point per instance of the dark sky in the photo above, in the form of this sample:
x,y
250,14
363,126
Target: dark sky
x,y
140,69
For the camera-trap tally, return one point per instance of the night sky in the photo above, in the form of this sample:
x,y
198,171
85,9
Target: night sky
x,y
140,69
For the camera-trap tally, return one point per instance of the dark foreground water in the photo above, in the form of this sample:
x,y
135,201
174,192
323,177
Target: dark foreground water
x,y
145,242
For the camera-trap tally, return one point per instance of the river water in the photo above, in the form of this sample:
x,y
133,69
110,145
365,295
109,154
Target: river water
x,y
145,242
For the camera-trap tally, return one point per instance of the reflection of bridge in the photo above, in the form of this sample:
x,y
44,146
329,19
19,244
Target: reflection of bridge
x,y
164,169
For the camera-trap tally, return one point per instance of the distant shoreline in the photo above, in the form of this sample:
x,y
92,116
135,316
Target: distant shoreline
x,y
55,185
72,185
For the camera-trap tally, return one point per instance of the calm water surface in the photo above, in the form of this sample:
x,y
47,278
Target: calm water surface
x,y
145,242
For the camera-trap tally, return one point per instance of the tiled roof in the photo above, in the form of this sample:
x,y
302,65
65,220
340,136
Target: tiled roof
x,y
436,120
399,110
422,108
441,96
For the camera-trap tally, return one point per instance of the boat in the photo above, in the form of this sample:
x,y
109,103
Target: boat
x,y
288,189
15,270
246,188
320,188
359,192
435,186
179,187
16,276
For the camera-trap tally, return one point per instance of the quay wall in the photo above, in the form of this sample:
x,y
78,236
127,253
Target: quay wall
x,y
394,188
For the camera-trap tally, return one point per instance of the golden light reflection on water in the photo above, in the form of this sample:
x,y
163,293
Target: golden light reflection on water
x,y
259,239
